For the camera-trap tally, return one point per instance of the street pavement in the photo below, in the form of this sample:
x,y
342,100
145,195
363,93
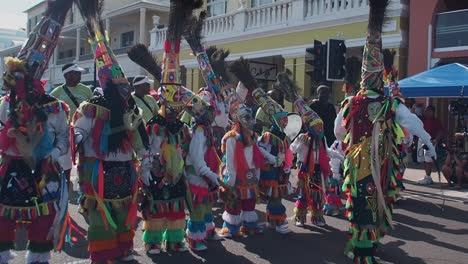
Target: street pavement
x,y
424,232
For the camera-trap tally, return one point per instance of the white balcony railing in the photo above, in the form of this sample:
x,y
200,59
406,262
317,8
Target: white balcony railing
x,y
275,16
218,24
268,15
314,8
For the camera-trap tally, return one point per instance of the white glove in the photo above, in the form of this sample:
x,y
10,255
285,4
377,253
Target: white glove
x,y
431,151
146,177
54,154
146,165
213,177
337,176
78,138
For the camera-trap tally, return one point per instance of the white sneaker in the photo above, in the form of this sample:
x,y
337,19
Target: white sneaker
x,y
264,225
283,229
154,249
215,237
299,223
425,181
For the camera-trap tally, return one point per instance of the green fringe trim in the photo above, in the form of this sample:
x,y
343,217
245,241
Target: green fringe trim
x,y
100,233
174,235
153,237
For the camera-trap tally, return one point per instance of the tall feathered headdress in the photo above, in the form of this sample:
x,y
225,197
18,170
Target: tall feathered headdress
x,y
391,74
141,55
23,74
291,92
275,113
171,92
245,86
43,39
287,86
372,61
240,68
193,36
110,72
218,62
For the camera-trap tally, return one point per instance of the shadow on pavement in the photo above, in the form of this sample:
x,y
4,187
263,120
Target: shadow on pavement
x,y
426,207
216,253
405,232
392,253
405,219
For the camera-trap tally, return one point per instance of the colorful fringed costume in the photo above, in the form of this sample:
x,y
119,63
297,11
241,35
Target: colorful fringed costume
x,y
109,134
334,205
241,174
108,180
203,162
274,145
314,168
202,175
371,124
33,189
31,186
165,197
274,176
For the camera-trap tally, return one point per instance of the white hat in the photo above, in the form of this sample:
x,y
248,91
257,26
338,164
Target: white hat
x,y
144,79
71,67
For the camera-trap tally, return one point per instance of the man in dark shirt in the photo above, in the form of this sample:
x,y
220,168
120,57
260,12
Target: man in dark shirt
x,y
326,111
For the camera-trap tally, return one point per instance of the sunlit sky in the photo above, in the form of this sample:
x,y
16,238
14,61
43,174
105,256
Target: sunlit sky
x,y
11,13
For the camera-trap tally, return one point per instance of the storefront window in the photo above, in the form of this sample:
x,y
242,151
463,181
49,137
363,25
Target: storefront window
x,y
216,7
256,3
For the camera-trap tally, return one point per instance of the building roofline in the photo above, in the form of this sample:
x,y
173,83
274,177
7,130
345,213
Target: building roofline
x,y
9,50
134,6
120,11
34,6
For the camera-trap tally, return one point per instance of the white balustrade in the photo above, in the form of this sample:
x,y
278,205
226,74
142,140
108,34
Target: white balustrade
x,y
158,36
271,17
316,8
268,15
218,25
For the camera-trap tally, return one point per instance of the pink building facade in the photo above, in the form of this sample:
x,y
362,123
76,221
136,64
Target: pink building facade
x,y
438,34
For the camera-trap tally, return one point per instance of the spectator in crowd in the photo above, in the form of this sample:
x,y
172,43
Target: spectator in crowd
x,y
142,97
434,127
326,111
73,93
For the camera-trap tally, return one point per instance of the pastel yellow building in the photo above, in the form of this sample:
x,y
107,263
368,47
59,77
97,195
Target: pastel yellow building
x,y
276,33
272,34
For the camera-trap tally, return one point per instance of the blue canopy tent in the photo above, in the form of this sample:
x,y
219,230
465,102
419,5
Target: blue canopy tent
x,y
445,81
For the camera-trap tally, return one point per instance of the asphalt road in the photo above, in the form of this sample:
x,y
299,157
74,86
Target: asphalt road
x,y
422,233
